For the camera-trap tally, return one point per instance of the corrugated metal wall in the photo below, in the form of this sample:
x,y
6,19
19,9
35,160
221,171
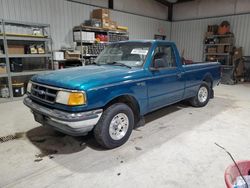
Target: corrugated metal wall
x,y
189,35
63,16
142,27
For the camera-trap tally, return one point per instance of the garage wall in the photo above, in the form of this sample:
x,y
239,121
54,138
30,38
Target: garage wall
x,y
142,27
100,3
63,15
189,35
150,8
143,7
209,8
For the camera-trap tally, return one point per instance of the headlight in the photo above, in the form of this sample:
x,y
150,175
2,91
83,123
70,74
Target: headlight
x,y
71,98
29,87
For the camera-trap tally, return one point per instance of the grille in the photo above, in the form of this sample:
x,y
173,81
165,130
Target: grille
x,y
44,93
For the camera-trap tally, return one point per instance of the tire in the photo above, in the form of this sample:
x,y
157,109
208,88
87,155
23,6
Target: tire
x,y
115,126
202,96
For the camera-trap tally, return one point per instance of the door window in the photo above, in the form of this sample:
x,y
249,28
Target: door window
x,y
164,57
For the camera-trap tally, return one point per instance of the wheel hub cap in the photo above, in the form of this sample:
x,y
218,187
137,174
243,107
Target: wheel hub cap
x,y
118,126
202,94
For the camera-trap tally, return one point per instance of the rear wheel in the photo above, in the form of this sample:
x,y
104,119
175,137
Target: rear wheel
x,y
202,96
115,126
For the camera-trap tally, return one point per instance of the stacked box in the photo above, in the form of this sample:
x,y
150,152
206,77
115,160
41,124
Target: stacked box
x,y
101,14
229,40
16,49
211,50
72,55
106,23
3,68
113,25
221,49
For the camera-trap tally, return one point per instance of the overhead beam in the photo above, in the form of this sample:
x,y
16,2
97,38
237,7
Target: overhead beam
x,y
170,12
164,2
111,4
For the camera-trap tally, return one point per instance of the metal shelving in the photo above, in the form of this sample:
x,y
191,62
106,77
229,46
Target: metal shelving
x,y
28,55
3,75
24,38
222,48
220,54
219,44
27,38
80,43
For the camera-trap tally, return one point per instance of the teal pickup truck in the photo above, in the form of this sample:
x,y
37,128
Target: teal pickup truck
x,y
127,80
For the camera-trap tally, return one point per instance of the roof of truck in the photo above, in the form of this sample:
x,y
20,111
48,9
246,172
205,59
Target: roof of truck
x,y
143,41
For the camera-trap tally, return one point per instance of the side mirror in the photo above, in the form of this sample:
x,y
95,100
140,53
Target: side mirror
x,y
158,63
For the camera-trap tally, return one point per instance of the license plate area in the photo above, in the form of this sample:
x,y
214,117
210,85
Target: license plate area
x,y
39,118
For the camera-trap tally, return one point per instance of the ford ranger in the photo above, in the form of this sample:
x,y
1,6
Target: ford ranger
x,y
127,80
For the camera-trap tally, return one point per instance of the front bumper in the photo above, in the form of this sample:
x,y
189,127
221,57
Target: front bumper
x,y
75,124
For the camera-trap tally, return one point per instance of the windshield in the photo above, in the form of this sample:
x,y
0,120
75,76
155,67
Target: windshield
x,y
130,54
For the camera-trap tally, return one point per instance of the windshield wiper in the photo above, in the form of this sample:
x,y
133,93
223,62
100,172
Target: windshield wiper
x,y
119,64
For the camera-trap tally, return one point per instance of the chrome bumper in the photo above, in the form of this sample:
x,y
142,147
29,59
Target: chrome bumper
x,y
74,124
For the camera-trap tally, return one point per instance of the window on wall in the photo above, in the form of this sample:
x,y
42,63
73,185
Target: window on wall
x,y
167,55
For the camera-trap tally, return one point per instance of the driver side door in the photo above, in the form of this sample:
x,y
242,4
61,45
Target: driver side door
x,y
166,85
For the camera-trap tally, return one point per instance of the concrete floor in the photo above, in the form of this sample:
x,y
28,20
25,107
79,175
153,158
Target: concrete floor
x,y
174,149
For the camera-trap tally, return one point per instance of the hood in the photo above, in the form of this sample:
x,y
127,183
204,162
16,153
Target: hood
x,y
84,78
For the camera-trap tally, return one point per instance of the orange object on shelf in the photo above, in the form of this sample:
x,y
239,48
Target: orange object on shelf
x,y
224,28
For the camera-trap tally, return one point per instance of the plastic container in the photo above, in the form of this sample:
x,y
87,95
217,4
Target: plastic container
x,y
18,89
232,172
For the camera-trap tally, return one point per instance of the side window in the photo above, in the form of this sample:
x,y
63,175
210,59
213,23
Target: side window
x,y
166,54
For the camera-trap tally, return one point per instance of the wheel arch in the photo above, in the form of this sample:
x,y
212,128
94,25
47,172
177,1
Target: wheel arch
x,y
128,100
208,79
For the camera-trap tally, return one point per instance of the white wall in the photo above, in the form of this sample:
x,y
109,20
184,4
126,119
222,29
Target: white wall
x,y
100,3
63,15
149,8
189,35
143,7
209,8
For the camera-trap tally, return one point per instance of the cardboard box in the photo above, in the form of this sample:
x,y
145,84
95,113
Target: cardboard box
x,y
208,34
106,23
113,25
221,49
211,50
58,56
101,14
15,49
72,55
3,68
229,40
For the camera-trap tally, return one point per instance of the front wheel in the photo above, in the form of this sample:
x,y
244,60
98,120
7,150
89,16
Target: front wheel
x,y
202,97
115,126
